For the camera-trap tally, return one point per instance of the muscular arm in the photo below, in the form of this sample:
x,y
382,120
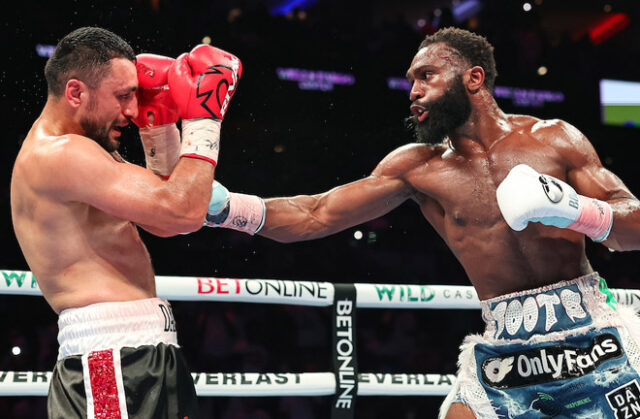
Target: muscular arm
x,y
587,175
307,217
149,229
84,172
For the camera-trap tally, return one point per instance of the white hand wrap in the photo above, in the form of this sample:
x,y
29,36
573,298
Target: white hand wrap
x,y
161,147
246,213
236,211
201,139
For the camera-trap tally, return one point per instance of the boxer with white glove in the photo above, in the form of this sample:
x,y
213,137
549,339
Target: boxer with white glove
x,y
202,83
157,114
527,196
236,211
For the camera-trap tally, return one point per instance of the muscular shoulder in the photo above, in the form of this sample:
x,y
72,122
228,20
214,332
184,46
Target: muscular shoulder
x,y
406,158
50,164
566,139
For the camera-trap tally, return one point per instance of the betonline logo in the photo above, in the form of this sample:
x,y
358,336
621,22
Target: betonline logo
x,y
344,349
263,288
551,363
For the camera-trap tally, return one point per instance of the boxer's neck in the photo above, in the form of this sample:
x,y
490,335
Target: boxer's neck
x,y
486,125
56,119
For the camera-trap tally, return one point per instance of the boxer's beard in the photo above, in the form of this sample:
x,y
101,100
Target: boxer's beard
x,y
446,113
97,131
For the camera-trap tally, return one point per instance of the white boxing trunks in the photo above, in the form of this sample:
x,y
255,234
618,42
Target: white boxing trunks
x,y
120,360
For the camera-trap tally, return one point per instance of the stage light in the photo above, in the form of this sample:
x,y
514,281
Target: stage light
x,y
287,6
542,70
315,79
607,8
528,97
206,40
526,7
16,350
466,10
358,235
45,50
398,83
609,26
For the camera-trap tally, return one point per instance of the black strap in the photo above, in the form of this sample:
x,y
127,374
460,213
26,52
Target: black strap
x,y
345,364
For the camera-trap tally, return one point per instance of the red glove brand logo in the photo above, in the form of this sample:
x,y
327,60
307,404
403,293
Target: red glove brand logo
x,y
223,82
143,69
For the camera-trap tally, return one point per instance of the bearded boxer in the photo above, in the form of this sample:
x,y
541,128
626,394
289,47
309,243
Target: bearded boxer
x,y
76,207
513,197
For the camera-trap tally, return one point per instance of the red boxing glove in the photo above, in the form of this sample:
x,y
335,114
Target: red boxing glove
x,y
157,114
154,97
203,82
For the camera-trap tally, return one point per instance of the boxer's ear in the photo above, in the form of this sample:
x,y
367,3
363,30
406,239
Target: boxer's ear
x,y
74,91
473,78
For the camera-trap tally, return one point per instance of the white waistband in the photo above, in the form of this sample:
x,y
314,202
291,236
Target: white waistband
x,y
589,284
567,305
115,325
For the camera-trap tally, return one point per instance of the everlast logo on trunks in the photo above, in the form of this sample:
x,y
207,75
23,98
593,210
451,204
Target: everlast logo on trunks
x,y
546,364
625,401
523,316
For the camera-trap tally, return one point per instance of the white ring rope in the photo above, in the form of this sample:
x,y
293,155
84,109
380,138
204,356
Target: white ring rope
x,y
307,293
247,384
243,384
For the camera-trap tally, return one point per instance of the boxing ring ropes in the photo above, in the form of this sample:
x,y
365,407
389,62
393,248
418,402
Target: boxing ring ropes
x,y
345,298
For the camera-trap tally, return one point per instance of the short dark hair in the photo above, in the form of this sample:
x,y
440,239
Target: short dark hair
x,y
472,47
84,54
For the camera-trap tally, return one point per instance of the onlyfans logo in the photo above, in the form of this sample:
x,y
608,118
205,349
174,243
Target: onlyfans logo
x,y
496,369
552,363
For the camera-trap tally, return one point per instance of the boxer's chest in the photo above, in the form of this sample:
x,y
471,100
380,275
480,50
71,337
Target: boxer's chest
x,y
465,186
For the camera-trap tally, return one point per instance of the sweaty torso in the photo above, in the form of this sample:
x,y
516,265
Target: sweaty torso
x,y
456,192
78,254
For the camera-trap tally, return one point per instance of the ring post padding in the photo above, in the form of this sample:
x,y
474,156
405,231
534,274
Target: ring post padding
x,y
345,364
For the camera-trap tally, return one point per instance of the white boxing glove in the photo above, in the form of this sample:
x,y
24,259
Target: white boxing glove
x,y
236,211
527,196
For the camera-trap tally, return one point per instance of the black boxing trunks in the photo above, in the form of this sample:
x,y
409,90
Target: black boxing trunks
x,y
120,360
565,350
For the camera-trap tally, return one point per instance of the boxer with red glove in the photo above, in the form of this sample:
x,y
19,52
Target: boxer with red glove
x,y
157,114
202,83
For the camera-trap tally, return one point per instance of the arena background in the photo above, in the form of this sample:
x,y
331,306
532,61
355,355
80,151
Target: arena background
x,y
282,138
